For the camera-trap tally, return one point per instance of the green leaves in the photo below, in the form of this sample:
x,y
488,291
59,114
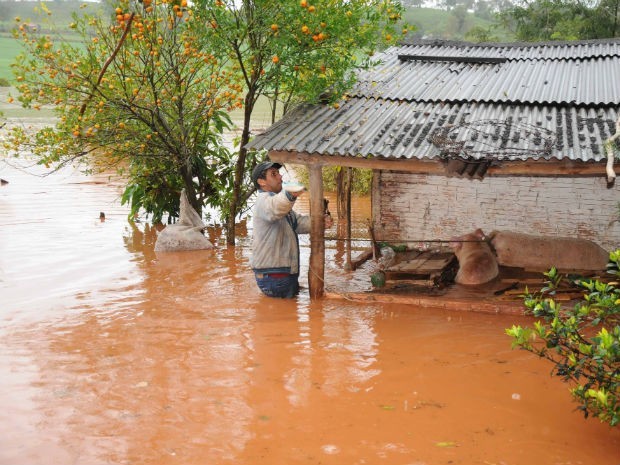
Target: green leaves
x,y
543,20
583,343
141,91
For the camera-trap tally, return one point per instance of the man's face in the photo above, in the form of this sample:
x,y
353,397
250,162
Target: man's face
x,y
272,181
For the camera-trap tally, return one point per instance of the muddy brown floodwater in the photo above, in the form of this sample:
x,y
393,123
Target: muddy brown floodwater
x,y
112,354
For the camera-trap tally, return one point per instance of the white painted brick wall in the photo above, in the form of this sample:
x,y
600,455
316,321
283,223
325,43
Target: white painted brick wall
x,y
426,207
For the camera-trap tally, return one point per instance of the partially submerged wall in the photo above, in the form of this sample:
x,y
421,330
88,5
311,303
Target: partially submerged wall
x,y
418,207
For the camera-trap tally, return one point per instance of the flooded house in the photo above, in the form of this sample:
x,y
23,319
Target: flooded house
x,y
516,137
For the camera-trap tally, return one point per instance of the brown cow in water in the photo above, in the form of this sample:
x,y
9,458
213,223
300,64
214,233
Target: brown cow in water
x,y
541,253
477,263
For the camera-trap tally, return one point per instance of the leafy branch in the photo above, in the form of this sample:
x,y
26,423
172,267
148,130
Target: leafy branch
x,y
583,343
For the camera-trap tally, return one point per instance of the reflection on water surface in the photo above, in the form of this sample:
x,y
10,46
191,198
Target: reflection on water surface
x,y
111,353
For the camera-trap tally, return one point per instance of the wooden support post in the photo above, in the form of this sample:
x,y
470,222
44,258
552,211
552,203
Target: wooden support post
x,y
349,184
343,184
316,274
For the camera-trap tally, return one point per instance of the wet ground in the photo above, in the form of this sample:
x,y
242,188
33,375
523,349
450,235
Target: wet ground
x,y
113,354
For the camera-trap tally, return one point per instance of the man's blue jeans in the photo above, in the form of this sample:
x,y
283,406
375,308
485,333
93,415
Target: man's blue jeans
x,y
282,285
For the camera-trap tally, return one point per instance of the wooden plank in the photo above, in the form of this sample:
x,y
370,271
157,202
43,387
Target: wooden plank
x,y
422,265
505,168
401,275
428,266
432,302
361,258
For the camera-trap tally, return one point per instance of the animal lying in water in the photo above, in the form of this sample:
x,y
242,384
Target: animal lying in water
x,y
479,256
477,262
541,253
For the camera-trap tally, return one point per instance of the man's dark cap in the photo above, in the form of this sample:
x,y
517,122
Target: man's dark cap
x,y
258,171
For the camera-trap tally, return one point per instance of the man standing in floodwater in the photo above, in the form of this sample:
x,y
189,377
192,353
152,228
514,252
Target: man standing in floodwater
x,y
275,244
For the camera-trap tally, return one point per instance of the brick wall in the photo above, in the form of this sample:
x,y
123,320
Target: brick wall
x,y
417,206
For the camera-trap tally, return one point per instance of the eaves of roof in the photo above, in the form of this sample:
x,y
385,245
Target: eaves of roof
x,y
364,127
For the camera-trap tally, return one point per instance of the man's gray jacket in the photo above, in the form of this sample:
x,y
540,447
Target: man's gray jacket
x,y
275,246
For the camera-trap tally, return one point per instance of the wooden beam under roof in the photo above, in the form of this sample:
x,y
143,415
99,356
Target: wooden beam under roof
x,y
414,165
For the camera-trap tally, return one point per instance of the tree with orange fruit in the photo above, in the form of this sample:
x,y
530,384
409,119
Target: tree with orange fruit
x,y
292,51
150,87
143,92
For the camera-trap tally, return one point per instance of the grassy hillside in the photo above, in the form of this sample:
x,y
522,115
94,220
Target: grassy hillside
x,y
31,11
430,23
57,18
9,48
442,24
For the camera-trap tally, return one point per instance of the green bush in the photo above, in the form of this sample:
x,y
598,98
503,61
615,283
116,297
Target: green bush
x,y
583,342
361,184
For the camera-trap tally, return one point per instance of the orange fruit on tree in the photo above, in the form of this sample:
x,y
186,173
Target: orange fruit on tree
x,y
274,27
303,3
275,59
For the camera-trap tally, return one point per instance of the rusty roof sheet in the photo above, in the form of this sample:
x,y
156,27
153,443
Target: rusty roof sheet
x,y
391,129
505,102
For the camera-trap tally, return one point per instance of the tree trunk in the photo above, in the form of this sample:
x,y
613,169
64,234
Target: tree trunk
x,y
239,169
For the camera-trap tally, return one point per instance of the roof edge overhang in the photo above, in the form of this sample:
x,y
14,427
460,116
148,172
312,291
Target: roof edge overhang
x,y
539,168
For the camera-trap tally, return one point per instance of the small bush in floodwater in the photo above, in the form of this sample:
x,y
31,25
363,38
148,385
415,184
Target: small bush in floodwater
x,y
582,342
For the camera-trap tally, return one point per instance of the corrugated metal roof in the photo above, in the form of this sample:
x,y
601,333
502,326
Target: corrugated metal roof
x,y
540,101
390,129
587,82
574,50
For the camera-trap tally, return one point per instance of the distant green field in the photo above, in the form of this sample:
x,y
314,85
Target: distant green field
x,y
31,11
9,49
441,24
